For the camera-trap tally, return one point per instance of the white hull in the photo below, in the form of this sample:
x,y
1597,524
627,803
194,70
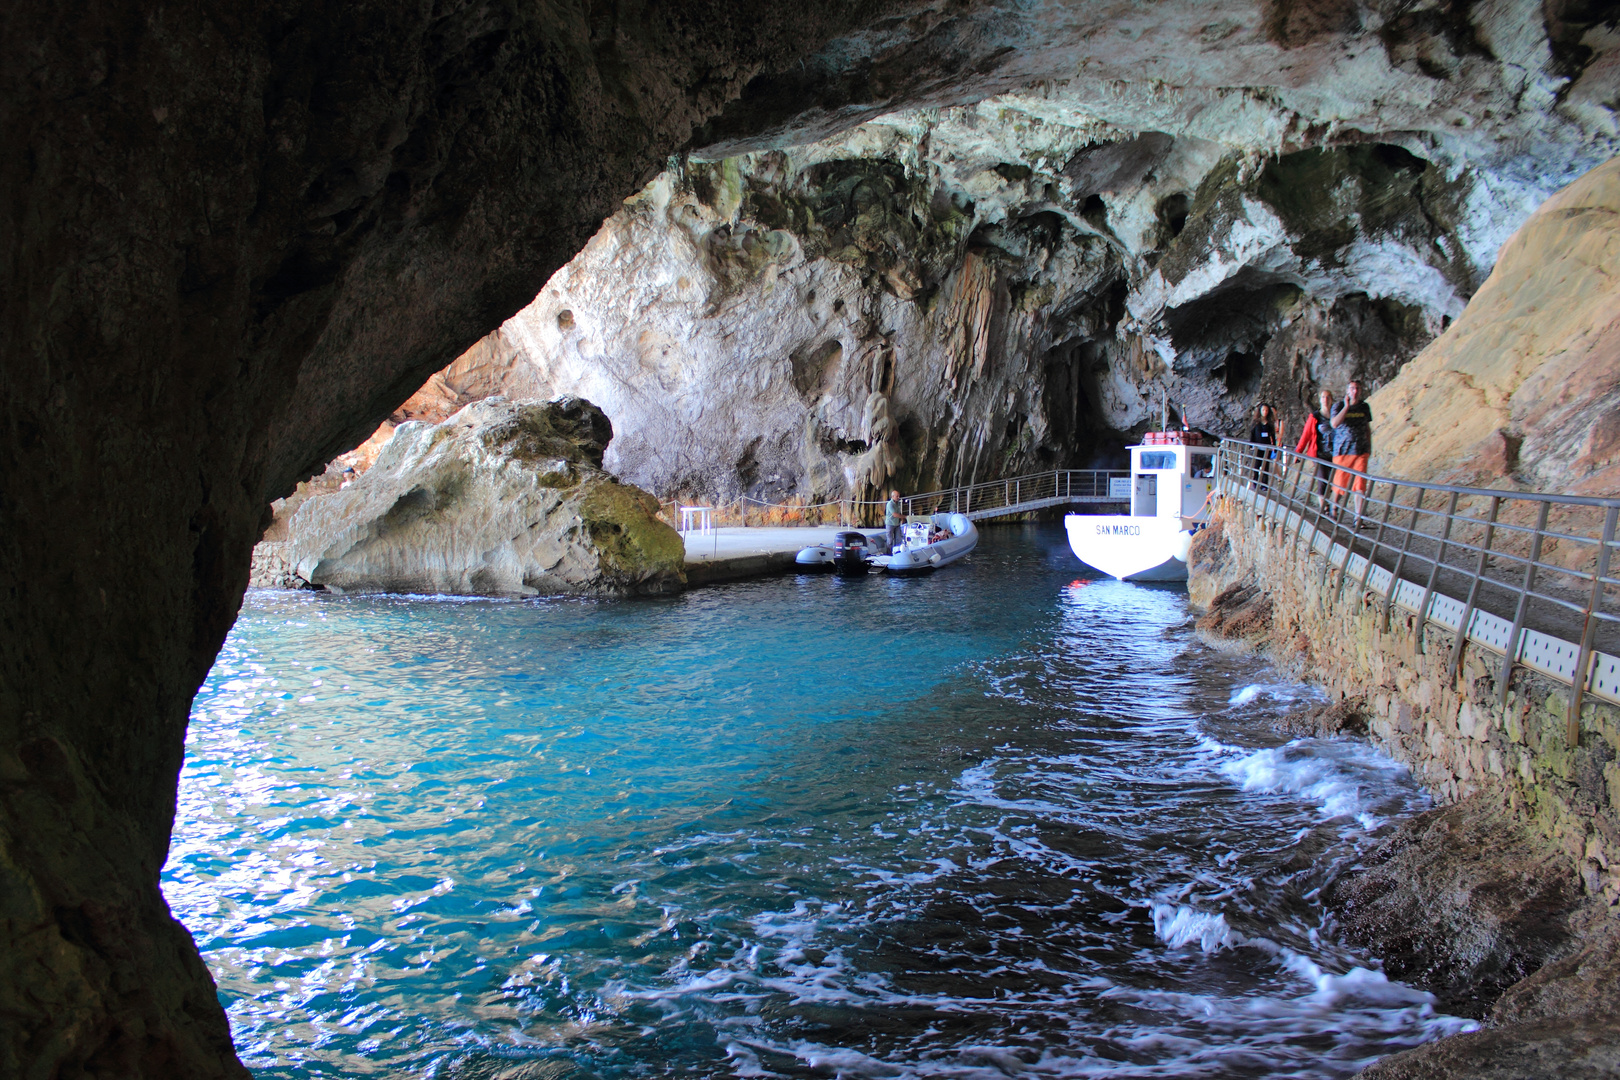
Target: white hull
x,y
1131,548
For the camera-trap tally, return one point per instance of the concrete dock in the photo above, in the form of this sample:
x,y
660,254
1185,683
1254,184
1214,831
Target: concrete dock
x,y
733,553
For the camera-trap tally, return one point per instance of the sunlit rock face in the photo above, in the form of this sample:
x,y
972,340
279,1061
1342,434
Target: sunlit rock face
x,y
1524,390
947,295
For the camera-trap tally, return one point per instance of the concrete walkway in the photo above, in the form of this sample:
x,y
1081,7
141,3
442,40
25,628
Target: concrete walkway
x,y
732,553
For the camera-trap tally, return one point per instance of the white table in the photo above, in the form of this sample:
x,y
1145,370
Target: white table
x,y
699,519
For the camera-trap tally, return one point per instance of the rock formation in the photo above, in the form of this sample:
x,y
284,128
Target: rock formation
x,y
1525,387
1464,901
946,295
234,241
501,499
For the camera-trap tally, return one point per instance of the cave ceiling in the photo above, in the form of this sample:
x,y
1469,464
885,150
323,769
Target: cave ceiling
x,y
1026,227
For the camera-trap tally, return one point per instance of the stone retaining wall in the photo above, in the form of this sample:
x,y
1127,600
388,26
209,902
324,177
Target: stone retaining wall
x,y
1452,734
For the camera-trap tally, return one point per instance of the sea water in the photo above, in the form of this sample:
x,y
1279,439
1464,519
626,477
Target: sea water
x,y
1003,821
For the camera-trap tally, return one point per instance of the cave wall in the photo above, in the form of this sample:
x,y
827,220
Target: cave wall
x,y
234,239
1524,390
935,299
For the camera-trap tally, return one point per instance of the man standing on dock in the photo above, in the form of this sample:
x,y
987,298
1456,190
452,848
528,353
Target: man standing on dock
x,y
893,516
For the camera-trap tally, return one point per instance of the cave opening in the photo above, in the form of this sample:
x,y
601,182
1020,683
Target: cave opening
x,y
1173,213
1241,371
241,249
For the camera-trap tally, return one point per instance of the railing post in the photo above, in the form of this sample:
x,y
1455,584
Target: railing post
x,y
1378,537
1344,567
1434,572
1273,504
1473,592
1572,733
1295,506
1400,560
1327,556
1304,507
1524,605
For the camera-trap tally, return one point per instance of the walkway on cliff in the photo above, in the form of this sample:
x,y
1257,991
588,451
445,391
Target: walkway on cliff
x,y
1528,573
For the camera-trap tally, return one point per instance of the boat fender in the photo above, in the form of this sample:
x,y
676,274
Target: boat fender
x,y
934,558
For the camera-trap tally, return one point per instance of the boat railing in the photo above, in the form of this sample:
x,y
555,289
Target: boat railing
x,y
1529,576
1020,494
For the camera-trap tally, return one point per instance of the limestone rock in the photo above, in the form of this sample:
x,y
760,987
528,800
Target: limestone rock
x,y
1325,721
1525,386
1584,1049
235,242
501,499
1240,616
1464,901
1559,1022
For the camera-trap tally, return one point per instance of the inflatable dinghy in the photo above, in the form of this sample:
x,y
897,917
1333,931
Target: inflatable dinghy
x,y
926,546
849,553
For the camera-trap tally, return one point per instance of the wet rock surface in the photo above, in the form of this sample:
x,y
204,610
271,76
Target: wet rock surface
x,y
1559,1022
500,499
1325,721
1240,615
1465,901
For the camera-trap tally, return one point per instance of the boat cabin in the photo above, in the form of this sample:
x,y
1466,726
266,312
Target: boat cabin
x,y
1171,479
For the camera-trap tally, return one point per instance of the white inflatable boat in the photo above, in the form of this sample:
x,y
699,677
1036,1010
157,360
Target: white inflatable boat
x,y
926,546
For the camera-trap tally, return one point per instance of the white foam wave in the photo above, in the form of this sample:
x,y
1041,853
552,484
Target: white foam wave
x,y
1296,770
1359,984
1285,693
1178,925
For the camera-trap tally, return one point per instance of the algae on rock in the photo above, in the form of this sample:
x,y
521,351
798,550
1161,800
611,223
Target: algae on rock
x,y
502,499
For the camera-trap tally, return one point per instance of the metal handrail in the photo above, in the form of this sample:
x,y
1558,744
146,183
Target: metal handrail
x,y
989,498
1018,494
1498,559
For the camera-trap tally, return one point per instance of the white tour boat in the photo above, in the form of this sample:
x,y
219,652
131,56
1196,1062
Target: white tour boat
x,y
1171,477
928,545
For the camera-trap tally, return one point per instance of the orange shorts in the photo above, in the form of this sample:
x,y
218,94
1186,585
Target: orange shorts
x,y
1343,479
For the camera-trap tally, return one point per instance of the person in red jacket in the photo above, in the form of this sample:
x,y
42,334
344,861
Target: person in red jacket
x,y
1316,440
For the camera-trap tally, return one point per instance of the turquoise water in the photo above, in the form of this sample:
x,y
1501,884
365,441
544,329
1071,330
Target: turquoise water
x,y
1001,821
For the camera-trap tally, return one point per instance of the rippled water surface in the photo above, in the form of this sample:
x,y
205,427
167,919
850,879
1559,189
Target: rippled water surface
x,y
1003,821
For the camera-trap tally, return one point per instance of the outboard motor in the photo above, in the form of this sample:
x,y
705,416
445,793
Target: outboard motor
x,y
851,552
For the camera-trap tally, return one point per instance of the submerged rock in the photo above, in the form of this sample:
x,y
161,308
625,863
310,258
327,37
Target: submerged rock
x,y
1557,1023
1348,717
502,499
